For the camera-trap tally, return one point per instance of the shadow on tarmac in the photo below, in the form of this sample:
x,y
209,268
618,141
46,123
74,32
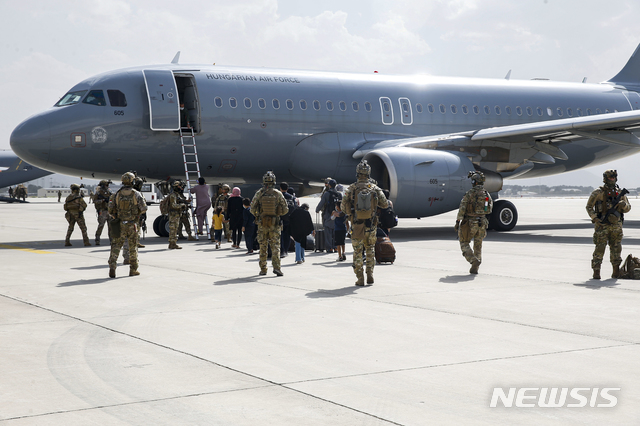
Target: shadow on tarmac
x,y
340,292
598,284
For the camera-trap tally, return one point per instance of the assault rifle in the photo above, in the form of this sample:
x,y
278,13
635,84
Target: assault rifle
x,y
614,203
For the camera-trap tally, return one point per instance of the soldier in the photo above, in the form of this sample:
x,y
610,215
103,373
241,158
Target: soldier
x,y
606,208
101,203
75,206
267,206
126,206
222,201
137,185
177,208
360,204
472,222
59,194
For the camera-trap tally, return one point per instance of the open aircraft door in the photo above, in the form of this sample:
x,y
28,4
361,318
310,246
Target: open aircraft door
x,y
164,105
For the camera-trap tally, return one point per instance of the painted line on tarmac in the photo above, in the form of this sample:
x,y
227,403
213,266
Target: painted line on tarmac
x,y
6,246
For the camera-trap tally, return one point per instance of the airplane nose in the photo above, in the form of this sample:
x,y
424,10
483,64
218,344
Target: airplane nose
x,y
31,141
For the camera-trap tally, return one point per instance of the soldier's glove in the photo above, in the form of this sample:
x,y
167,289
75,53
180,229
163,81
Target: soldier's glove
x,y
596,221
621,206
457,225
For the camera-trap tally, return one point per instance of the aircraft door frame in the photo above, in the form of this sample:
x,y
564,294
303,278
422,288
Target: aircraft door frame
x,y
406,116
387,115
633,98
164,106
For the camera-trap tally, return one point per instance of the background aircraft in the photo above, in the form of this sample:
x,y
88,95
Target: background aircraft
x,y
421,134
13,170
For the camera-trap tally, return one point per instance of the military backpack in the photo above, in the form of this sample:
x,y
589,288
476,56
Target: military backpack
x,y
481,203
269,203
164,205
364,202
127,204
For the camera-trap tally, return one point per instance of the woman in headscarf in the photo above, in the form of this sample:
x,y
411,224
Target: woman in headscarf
x,y
234,215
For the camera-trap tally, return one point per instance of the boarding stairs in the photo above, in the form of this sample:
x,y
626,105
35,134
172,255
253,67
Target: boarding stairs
x,y
192,174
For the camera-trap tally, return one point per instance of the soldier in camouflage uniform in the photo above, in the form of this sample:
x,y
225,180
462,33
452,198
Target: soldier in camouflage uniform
x,y
75,206
177,207
472,222
363,218
267,206
606,208
101,203
126,205
222,201
137,185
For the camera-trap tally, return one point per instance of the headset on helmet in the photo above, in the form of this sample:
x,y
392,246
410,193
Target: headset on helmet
x,y
363,168
610,174
476,177
127,178
269,178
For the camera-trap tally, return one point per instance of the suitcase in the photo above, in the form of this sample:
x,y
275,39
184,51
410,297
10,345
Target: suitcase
x,y
319,240
311,244
384,250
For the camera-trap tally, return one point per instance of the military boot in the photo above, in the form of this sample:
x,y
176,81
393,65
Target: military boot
x,y
112,271
87,243
97,241
360,277
369,277
596,274
616,271
191,238
173,246
133,270
474,267
141,245
278,272
67,243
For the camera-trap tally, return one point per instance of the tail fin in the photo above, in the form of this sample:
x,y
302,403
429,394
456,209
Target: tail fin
x,y
630,74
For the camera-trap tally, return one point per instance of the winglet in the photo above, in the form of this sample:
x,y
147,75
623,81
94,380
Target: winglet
x,y
630,74
176,58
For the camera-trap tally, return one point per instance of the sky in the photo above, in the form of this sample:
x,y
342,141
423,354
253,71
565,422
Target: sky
x,y
50,45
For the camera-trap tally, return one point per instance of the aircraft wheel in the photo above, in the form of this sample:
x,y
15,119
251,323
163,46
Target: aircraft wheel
x,y
156,226
504,216
164,227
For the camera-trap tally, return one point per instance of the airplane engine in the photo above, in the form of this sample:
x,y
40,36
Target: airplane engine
x,y
421,182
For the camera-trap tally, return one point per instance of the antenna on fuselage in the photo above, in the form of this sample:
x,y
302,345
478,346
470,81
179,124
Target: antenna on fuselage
x,y
508,76
584,80
176,58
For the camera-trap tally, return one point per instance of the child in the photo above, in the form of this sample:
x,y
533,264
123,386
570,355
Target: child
x,y
248,225
218,221
342,226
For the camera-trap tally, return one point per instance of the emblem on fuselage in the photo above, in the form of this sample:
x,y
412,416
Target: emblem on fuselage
x,y
99,135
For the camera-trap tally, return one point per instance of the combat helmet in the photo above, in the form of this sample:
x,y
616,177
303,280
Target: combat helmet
x,y
363,169
178,185
228,188
610,174
127,179
476,177
269,178
75,187
104,183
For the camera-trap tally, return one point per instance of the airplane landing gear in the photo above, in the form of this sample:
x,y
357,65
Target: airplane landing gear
x,y
504,216
161,226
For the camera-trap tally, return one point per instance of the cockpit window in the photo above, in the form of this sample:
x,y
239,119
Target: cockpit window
x,y
117,98
71,98
95,97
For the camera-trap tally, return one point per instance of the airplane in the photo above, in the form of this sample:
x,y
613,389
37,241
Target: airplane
x,y
420,134
14,170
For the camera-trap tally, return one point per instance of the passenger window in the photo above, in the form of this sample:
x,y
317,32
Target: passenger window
x,y
569,112
454,109
443,109
233,102
579,111
71,98
218,101
355,106
95,97
275,103
343,106
289,104
329,105
589,111
508,110
539,111
316,105
598,111
431,108
247,103
117,98
476,109
487,110
560,112
498,110
367,106
518,110
303,104
465,109
262,103
419,107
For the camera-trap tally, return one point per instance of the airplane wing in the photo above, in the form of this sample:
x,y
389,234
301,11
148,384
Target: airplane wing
x,y
537,142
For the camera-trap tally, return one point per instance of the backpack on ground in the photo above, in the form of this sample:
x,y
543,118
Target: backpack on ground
x,y
630,268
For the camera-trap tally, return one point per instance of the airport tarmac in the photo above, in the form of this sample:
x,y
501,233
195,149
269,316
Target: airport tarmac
x,y
200,339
